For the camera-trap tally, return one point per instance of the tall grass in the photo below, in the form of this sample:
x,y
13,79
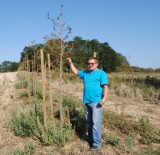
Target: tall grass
x,y
136,88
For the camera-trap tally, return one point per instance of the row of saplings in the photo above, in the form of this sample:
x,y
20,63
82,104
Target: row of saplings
x,y
30,123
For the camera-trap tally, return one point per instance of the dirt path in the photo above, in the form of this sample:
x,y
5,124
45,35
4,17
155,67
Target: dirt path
x,y
7,90
7,102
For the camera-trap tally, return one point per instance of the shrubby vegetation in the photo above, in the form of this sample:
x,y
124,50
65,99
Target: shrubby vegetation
x,y
30,123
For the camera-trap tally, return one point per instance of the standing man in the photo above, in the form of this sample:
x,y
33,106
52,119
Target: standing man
x,y
94,96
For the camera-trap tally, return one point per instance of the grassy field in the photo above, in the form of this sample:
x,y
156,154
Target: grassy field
x,y
131,116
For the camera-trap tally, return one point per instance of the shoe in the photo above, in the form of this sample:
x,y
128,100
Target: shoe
x,y
95,147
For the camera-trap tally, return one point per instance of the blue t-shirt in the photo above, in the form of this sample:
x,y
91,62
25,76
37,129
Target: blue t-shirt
x,y
93,85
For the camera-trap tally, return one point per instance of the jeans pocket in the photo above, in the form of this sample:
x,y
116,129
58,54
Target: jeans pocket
x,y
99,105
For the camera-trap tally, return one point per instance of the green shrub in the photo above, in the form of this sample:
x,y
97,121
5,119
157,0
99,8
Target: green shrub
x,y
69,101
21,85
76,114
39,94
29,149
129,141
113,140
147,132
119,121
24,94
130,127
54,134
24,123
30,123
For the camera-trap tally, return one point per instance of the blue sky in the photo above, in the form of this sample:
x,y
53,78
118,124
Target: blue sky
x,y
131,27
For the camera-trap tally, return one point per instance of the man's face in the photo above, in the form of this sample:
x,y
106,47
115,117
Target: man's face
x,y
92,65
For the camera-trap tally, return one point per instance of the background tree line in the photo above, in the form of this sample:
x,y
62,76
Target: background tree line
x,y
8,66
109,59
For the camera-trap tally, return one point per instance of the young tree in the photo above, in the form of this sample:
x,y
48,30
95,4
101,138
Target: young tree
x,y
61,33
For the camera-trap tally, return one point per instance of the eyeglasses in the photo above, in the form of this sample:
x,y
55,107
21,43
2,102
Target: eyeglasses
x,y
91,63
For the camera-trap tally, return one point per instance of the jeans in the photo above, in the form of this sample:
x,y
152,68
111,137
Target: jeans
x,y
94,123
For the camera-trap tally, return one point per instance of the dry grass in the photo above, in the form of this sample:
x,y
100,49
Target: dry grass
x,y
116,132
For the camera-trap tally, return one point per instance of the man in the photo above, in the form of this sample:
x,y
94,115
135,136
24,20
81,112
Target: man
x,y
94,96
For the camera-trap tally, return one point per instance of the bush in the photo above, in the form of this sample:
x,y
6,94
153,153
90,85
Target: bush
x,y
130,127
21,85
121,122
29,149
147,132
76,114
23,124
54,134
113,140
24,94
30,123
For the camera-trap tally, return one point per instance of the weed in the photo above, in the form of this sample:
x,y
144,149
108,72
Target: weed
x,y
129,143
130,127
29,149
147,152
76,113
21,85
24,94
147,132
121,122
113,140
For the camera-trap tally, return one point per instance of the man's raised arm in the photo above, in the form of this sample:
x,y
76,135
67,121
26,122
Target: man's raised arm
x,y
73,68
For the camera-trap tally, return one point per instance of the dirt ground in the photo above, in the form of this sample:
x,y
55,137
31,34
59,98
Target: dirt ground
x,y
9,100
122,105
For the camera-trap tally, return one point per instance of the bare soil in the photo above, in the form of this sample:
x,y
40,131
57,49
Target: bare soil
x,y
10,100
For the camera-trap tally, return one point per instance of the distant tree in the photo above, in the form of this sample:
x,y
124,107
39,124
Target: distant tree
x,y
108,58
14,66
28,51
8,66
122,61
157,70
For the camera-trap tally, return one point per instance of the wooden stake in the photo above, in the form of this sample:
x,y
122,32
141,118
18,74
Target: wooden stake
x,y
43,86
94,54
28,72
50,87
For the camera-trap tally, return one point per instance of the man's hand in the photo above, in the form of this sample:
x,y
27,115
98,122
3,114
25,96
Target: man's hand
x,y
102,101
73,68
69,60
105,94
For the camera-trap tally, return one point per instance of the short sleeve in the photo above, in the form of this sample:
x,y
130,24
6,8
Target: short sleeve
x,y
104,78
81,74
